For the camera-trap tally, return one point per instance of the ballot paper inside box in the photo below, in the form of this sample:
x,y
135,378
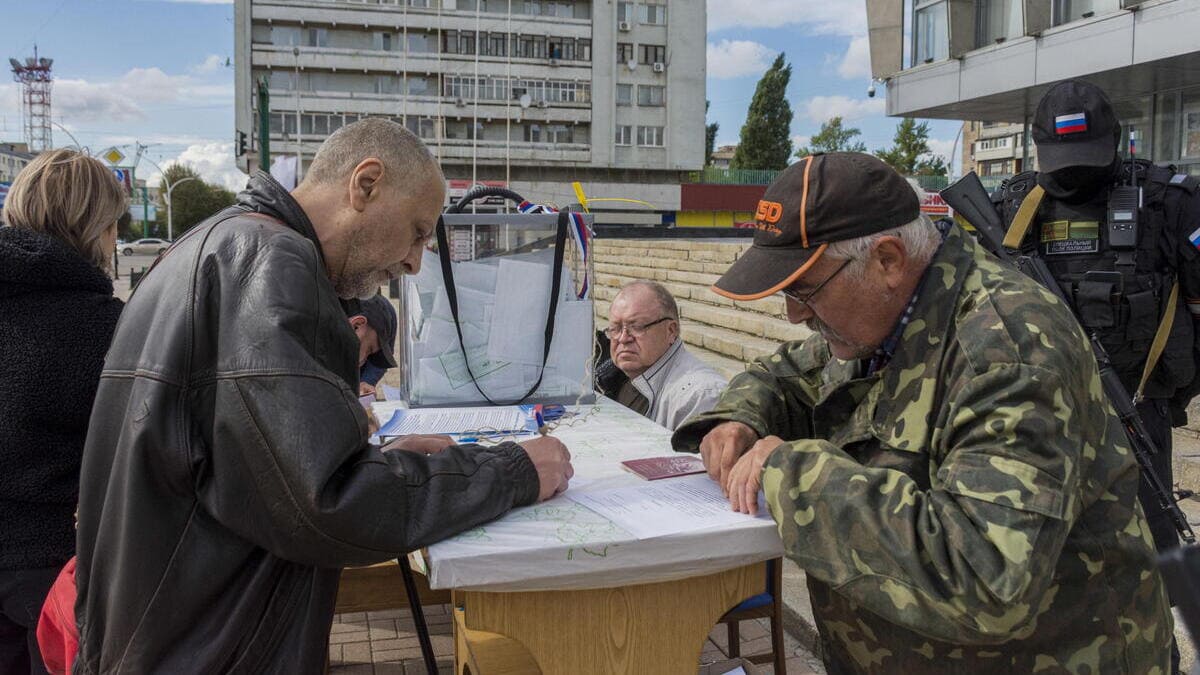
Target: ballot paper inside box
x,y
503,271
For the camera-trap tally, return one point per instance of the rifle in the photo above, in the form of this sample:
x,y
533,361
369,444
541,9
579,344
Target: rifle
x,y
969,199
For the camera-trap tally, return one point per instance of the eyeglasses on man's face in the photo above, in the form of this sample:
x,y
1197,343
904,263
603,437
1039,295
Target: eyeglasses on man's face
x,y
804,298
636,330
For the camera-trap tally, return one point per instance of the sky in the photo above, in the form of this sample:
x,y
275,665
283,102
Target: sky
x,y
154,72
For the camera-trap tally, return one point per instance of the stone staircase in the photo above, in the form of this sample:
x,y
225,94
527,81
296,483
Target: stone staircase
x,y
725,333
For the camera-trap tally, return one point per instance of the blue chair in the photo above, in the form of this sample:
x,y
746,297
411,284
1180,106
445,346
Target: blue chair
x,y
768,605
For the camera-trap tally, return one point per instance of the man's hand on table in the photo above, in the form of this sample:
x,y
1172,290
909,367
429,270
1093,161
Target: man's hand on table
x,y
745,479
721,447
426,443
553,463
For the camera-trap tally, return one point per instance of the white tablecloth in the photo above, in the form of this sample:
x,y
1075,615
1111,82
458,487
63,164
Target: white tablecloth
x,y
558,544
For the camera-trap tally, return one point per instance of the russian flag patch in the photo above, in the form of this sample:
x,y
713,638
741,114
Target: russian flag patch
x,y
1194,237
1070,124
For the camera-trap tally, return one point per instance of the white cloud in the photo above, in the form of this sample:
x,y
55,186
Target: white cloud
x,y
210,65
821,108
944,147
736,58
829,17
124,99
213,160
856,62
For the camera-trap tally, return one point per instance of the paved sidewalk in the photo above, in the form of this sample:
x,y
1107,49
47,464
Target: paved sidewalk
x,y
385,643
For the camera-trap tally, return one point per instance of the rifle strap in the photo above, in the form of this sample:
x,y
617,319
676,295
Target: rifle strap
x,y
1024,218
1160,341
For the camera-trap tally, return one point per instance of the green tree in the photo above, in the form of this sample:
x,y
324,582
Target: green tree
x,y
765,141
833,137
710,137
909,154
191,202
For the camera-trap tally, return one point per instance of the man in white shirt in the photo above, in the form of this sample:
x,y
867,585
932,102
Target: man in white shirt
x,y
666,383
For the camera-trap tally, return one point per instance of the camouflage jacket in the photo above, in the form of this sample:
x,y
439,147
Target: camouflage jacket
x,y
971,507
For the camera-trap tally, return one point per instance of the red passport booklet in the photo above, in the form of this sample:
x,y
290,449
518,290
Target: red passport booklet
x,y
654,468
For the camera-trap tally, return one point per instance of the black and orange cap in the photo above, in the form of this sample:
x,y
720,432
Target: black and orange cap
x,y
820,199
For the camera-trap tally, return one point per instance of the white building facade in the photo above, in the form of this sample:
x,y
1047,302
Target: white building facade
x,y
991,60
532,94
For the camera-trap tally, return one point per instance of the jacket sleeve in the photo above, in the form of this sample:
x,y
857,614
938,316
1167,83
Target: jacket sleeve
x,y
288,465
1184,215
773,396
969,560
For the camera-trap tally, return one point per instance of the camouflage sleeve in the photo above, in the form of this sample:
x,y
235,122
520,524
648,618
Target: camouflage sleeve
x,y
969,560
773,396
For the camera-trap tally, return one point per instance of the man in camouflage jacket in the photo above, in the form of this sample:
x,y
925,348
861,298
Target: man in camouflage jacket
x,y
954,483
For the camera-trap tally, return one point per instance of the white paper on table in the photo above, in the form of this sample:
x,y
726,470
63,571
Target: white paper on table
x,y
664,507
455,420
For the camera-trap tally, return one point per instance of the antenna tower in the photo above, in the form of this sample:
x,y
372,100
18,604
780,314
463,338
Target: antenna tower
x,y
36,80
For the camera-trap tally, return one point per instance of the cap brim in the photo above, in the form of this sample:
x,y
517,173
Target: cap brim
x,y
761,271
1055,156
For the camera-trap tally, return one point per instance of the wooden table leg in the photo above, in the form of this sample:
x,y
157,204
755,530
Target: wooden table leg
x,y
648,628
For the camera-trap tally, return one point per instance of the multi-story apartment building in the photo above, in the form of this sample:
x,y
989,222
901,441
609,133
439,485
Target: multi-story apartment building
x,y
993,59
13,158
529,93
996,149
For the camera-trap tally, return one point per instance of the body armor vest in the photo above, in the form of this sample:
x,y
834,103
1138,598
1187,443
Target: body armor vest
x,y
1120,296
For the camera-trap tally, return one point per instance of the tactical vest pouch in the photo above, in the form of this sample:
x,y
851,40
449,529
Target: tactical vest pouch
x,y
1093,300
1143,316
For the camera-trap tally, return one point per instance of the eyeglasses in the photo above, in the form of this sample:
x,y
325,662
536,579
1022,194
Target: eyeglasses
x,y
635,329
807,298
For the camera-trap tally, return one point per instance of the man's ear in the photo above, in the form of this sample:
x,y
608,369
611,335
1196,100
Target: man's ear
x,y
358,323
891,258
364,183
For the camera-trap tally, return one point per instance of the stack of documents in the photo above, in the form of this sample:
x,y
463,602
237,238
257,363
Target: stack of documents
x,y
476,422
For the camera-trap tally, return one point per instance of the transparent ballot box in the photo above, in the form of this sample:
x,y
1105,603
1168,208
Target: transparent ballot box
x,y
502,267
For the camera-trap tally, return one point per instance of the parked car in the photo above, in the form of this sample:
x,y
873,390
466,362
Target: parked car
x,y
145,247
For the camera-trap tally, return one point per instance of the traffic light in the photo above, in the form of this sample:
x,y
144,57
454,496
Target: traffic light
x,y
241,143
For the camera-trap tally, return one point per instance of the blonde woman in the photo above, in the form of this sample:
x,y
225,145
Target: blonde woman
x,y
57,316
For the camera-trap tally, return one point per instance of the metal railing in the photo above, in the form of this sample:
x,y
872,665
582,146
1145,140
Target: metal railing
x,y
714,176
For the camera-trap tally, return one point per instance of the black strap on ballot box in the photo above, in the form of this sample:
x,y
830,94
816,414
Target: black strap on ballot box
x,y
560,241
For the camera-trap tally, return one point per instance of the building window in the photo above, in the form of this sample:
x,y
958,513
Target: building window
x,y
624,12
654,14
651,94
420,43
624,135
386,84
932,42
1066,11
285,36
533,133
624,94
624,52
496,44
383,42
997,21
530,46
421,126
651,137
458,42
417,86
318,37
648,54
423,4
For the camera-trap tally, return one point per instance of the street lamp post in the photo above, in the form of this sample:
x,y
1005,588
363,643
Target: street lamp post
x,y
171,187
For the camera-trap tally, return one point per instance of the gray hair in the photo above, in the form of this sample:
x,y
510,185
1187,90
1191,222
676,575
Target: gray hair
x,y
920,237
402,153
666,301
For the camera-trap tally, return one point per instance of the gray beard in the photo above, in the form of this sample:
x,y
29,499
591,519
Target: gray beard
x,y
860,351
361,286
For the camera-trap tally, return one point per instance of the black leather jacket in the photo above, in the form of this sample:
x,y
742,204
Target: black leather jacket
x,y
227,475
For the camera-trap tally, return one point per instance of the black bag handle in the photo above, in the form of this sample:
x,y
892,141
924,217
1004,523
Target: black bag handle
x,y
560,241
